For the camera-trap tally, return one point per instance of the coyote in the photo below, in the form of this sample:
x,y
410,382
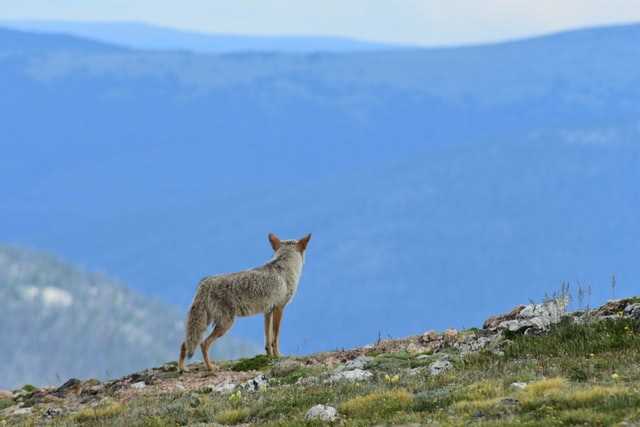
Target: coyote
x,y
266,289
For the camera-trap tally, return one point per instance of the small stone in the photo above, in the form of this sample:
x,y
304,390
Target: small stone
x,y
180,387
139,385
353,375
255,384
52,412
169,367
423,356
518,385
322,413
509,401
439,366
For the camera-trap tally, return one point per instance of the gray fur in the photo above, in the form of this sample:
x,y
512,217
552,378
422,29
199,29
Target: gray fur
x,y
219,299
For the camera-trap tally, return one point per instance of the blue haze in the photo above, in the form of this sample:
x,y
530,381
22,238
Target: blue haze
x,y
441,186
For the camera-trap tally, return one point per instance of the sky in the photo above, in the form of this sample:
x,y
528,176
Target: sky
x,y
424,22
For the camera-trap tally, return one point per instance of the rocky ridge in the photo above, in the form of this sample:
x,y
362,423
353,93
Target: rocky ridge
x,y
431,354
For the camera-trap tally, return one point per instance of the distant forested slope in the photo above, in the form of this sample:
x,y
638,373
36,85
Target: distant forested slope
x,y
435,181
60,322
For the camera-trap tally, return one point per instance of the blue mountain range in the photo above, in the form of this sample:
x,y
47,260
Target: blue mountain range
x,y
440,185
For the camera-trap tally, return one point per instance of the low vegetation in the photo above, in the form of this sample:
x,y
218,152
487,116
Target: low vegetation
x,y
578,373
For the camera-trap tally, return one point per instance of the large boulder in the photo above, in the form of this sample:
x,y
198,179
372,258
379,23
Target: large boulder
x,y
532,318
322,413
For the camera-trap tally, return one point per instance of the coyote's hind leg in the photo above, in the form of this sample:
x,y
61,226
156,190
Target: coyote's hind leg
x,y
183,354
221,328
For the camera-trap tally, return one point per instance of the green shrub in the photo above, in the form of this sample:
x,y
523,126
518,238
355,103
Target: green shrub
x,y
256,363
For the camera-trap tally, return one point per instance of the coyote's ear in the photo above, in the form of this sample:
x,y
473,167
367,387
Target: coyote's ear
x,y
302,243
275,242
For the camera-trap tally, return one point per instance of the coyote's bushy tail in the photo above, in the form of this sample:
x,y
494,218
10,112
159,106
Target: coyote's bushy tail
x,y
196,325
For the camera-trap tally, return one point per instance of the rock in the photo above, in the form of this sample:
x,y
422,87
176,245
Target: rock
x,y
224,388
493,321
73,385
518,386
22,411
533,318
322,413
169,367
612,308
423,356
180,387
439,366
139,385
473,343
359,362
632,310
450,336
255,384
353,375
509,401
414,348
52,412
429,336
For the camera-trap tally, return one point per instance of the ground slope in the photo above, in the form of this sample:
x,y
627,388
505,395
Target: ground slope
x,y
532,366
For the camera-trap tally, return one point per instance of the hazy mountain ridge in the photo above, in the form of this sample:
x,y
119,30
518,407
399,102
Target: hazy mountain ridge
x,y
58,321
152,37
431,179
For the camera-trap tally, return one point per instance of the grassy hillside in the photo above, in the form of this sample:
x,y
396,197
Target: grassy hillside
x,y
59,321
435,181
583,369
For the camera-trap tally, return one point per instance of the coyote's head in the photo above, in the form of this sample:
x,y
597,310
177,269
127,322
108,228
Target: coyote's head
x,y
289,245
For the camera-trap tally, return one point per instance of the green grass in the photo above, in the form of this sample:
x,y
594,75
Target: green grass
x,y
577,375
255,363
571,339
5,403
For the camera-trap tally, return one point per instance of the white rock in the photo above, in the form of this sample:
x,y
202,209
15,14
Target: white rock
x,y
358,363
224,388
322,413
255,384
22,411
519,385
139,385
632,310
180,387
439,366
353,375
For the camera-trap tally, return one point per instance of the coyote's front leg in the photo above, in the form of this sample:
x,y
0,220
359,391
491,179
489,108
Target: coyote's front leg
x,y
268,333
277,318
